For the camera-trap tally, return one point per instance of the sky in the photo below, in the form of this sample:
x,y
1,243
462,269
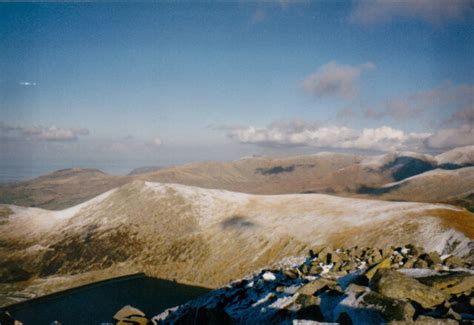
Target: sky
x,y
118,86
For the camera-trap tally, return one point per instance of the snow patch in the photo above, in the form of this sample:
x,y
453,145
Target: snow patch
x,y
459,156
418,273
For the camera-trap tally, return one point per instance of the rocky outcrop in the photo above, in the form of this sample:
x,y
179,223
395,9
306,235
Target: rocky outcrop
x,y
346,286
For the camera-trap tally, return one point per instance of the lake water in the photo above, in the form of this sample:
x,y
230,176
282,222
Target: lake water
x,y
97,303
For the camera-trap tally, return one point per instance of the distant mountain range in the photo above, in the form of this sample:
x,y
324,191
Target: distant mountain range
x,y
403,176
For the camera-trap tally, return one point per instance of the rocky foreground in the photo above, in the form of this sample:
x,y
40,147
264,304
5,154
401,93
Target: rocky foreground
x,y
403,285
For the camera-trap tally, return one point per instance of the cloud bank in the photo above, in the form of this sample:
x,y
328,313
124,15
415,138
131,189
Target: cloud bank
x,y
383,138
335,80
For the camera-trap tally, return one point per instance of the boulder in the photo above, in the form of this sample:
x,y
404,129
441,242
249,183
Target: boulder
x,y
306,300
410,263
451,283
454,261
421,264
391,309
377,256
348,266
355,288
413,250
396,285
325,255
318,285
304,269
300,307
292,274
315,269
386,263
130,315
433,258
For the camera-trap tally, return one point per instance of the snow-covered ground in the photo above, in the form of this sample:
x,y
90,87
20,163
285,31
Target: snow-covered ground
x,y
459,156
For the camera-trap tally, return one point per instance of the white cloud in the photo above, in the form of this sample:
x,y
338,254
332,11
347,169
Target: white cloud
x,y
335,80
382,138
433,11
452,138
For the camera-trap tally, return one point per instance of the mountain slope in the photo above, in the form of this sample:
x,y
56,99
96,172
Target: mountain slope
x,y
61,189
192,234
330,173
458,157
434,186
261,175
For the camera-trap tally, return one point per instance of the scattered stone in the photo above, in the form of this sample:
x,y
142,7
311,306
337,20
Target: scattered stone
x,y
429,294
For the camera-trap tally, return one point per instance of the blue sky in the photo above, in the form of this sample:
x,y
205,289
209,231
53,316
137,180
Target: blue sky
x,y
167,83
